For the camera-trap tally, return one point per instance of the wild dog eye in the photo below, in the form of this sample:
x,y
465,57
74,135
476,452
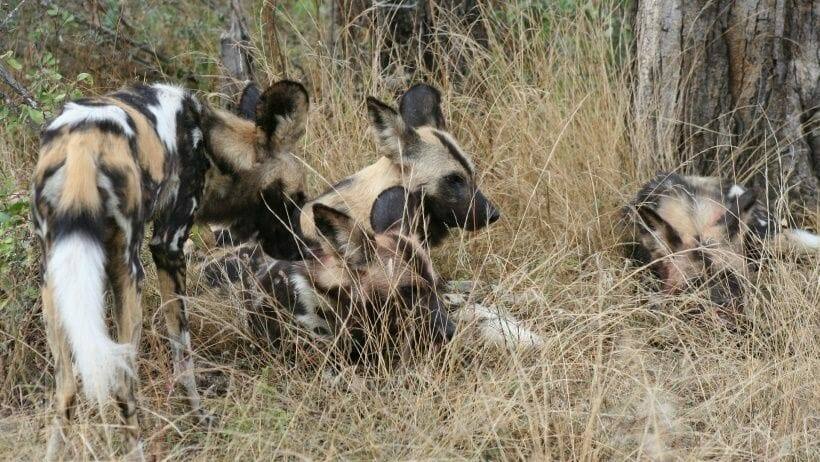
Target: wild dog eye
x,y
456,179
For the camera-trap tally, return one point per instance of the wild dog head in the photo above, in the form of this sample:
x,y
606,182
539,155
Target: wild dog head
x,y
381,273
258,184
698,233
415,138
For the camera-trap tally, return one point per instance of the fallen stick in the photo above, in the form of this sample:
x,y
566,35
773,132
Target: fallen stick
x,y
17,87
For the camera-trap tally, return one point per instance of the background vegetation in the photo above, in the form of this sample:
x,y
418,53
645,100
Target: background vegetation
x,y
544,107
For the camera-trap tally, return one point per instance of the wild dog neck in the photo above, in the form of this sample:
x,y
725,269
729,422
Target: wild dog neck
x,y
256,186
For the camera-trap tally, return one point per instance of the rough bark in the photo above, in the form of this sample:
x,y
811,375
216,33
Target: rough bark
x,y
731,87
237,63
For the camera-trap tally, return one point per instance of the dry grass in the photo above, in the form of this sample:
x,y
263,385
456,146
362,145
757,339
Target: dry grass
x,y
546,118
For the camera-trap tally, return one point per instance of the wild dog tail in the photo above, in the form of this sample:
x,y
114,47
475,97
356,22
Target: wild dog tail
x,y
797,240
497,329
75,273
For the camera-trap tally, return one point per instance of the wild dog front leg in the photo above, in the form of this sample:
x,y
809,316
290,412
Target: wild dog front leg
x,y
166,249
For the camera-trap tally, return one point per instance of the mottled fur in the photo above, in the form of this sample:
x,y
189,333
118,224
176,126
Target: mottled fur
x,y
694,232
107,167
358,289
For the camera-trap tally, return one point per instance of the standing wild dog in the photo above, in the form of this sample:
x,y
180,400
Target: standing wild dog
x,y
365,289
701,232
422,164
109,165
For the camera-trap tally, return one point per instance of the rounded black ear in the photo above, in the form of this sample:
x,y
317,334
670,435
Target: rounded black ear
x,y
743,202
248,101
281,112
421,105
340,234
393,209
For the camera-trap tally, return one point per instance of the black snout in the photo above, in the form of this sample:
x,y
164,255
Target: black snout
x,y
483,213
441,326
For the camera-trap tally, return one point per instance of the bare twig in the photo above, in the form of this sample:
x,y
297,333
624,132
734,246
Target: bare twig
x,y
17,87
11,14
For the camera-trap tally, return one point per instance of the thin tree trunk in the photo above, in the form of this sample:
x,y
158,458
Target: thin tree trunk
x,y
731,87
234,45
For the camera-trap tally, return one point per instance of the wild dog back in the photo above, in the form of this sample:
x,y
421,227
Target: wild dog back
x,y
422,163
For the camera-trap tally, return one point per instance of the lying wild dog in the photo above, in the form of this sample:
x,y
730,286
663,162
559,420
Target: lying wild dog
x,y
357,285
109,165
352,284
703,232
422,163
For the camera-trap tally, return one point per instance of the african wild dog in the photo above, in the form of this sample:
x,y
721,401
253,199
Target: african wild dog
x,y
258,191
352,285
422,163
109,165
353,280
704,232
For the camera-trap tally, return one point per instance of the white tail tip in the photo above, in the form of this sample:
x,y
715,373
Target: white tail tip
x,y
499,329
798,240
76,276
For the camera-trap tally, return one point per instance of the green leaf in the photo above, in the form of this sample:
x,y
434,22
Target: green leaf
x,y
36,116
14,63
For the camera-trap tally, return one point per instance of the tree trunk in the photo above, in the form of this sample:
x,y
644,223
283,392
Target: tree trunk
x,y
731,88
234,46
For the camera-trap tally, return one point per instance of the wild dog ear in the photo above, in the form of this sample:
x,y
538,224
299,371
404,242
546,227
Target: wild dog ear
x,y
281,114
248,101
737,206
420,106
393,210
742,203
339,234
388,126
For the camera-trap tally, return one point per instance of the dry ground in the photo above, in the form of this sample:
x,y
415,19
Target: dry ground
x,y
618,378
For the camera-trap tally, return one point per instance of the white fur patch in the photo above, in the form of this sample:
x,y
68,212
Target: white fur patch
x,y
75,273
736,191
74,114
176,239
310,321
196,137
804,238
497,329
53,187
170,103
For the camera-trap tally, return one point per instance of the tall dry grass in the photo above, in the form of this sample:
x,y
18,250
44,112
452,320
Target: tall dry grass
x,y
545,113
